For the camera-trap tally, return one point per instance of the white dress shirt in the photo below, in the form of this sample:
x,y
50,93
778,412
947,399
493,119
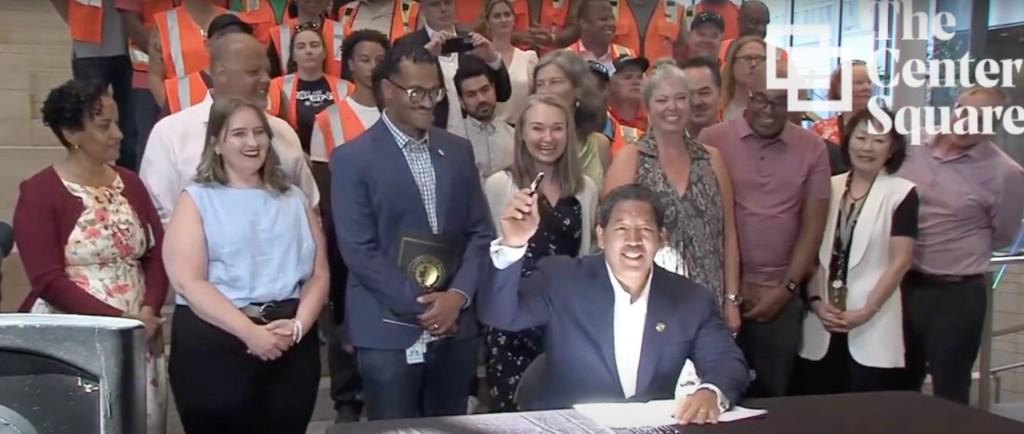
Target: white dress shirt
x,y
629,321
176,144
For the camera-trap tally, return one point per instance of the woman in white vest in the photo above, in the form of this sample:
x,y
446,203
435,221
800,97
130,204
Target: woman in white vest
x,y
853,342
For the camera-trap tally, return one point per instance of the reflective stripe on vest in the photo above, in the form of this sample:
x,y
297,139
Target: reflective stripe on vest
x,y
184,93
338,37
620,50
334,132
140,60
174,38
400,21
337,131
284,52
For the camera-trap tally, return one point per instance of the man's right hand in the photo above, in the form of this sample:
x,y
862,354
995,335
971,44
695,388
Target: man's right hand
x,y
520,220
437,41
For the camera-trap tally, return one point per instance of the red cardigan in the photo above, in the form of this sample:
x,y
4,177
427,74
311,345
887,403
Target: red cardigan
x,y
44,218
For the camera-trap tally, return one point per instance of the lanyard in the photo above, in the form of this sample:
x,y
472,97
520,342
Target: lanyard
x,y
846,224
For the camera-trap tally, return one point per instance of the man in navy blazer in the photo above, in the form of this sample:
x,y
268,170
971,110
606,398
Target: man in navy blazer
x,y
400,178
618,328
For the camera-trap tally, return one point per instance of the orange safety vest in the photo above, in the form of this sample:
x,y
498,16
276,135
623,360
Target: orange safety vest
x,y
623,135
260,14
615,49
333,34
338,124
404,20
185,92
468,11
287,89
140,55
183,42
85,19
553,15
662,34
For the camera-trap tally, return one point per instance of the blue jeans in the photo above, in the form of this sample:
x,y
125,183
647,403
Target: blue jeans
x,y
394,389
116,72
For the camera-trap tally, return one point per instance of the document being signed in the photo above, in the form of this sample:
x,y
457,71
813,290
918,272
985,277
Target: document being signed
x,y
650,414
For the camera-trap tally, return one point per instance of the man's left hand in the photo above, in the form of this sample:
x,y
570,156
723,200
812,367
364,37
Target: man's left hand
x,y
699,408
484,48
770,304
444,310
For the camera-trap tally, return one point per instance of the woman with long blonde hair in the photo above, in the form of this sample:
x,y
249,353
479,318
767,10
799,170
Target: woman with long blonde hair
x,y
247,258
497,23
545,142
745,55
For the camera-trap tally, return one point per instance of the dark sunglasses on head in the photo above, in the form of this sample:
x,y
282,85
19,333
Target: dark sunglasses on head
x,y
311,25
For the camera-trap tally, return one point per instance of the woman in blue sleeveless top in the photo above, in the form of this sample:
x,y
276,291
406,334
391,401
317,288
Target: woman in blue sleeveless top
x,y
246,255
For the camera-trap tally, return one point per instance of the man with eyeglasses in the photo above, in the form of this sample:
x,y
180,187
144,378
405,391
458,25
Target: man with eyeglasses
x,y
413,226
781,181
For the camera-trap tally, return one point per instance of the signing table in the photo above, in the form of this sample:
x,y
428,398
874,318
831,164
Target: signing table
x,y
865,413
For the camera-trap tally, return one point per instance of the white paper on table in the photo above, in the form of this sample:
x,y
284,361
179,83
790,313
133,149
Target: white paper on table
x,y
648,414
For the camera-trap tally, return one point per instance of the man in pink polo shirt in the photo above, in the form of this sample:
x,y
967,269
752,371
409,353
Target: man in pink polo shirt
x,y
972,202
781,181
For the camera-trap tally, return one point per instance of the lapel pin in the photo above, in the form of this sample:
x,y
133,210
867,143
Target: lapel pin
x,y
660,327
440,152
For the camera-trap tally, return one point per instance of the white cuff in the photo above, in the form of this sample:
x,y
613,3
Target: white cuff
x,y
504,256
723,403
496,65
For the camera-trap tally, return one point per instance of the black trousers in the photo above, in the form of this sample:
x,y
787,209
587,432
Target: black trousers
x,y
942,325
116,72
346,385
771,350
219,388
838,372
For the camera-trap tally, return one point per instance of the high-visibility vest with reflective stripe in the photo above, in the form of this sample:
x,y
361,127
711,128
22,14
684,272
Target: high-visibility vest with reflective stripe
x,y
623,136
139,55
616,50
662,33
85,20
182,42
261,15
338,124
553,14
404,19
334,36
185,92
287,87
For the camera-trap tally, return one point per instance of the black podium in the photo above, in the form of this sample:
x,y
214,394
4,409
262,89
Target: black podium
x,y
72,374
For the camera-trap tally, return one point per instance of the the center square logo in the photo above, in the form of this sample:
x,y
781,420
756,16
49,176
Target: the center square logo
x,y
811,77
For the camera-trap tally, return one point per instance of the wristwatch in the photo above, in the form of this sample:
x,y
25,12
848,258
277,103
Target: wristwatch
x,y
735,299
792,286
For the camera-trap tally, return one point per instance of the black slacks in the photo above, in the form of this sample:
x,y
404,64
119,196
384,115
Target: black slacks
x,y
219,388
771,350
838,372
942,325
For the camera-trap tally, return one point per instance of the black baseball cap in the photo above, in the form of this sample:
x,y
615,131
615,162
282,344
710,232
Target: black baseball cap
x,y
625,61
599,70
224,22
712,18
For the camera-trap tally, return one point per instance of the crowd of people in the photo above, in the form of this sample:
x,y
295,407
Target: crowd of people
x,y
608,190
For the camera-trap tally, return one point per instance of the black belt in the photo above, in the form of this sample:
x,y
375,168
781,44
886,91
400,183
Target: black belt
x,y
917,276
264,313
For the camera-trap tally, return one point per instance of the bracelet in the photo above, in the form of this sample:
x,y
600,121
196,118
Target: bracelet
x,y
296,331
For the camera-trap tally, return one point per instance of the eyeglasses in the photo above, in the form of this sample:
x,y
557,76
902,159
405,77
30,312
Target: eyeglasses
x,y
760,102
310,25
751,59
417,94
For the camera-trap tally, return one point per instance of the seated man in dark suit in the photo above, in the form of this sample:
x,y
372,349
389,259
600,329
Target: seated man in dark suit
x,y
398,189
439,27
618,327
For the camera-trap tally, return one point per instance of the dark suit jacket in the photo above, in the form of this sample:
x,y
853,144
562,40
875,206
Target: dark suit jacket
x,y
502,83
573,298
375,200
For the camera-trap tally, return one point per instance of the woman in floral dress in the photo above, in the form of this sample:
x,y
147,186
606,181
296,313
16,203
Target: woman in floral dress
x,y
88,233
